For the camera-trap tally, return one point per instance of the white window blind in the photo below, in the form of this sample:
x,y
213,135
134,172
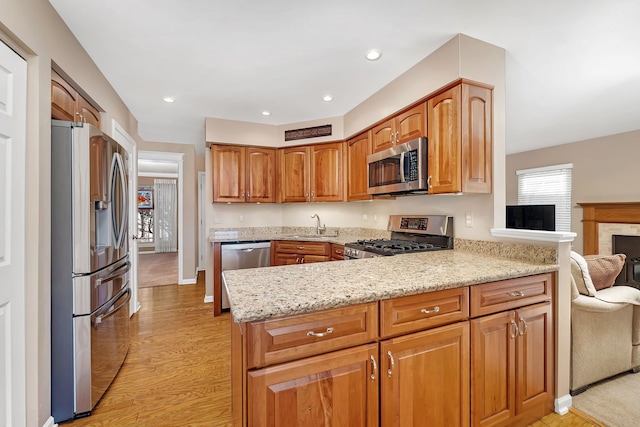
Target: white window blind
x,y
548,186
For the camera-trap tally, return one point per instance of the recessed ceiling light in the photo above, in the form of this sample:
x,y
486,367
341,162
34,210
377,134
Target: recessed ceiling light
x,y
373,55
266,113
327,98
169,99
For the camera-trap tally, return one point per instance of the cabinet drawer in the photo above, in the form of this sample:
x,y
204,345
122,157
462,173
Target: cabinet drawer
x,y
417,312
278,340
303,248
493,297
337,251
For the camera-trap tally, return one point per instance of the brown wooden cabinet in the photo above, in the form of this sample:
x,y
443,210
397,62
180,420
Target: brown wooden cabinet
x,y
424,378
68,104
337,252
512,358
408,125
285,252
312,173
460,139
243,174
358,148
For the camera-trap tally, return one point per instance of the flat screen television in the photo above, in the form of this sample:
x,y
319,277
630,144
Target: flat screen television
x,y
532,217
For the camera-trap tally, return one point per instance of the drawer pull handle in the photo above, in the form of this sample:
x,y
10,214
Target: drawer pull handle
x,y
320,334
375,368
435,310
392,363
299,247
516,294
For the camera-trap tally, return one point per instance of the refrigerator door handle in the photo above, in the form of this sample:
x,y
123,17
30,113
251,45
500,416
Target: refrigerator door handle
x,y
114,274
110,313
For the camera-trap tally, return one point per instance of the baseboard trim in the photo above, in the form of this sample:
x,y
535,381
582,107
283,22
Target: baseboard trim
x,y
188,282
208,298
562,404
50,423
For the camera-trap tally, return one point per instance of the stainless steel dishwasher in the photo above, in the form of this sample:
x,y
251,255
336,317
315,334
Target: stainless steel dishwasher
x,y
237,256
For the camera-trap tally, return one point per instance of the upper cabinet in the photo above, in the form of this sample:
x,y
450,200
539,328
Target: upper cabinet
x,y
243,174
312,173
68,104
460,140
408,125
358,148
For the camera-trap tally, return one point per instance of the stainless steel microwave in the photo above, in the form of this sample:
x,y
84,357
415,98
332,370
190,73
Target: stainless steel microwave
x,y
399,169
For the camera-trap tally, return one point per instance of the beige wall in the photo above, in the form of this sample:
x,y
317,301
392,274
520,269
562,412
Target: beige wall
x,y
604,170
35,30
189,188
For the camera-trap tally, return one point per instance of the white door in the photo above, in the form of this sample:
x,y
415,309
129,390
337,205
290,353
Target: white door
x,y
123,138
13,104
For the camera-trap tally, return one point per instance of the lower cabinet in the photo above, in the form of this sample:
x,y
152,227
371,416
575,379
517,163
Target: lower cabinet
x,y
334,389
512,366
285,252
424,378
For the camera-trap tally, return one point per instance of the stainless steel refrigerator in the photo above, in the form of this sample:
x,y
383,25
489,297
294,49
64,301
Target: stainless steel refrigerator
x,y
90,290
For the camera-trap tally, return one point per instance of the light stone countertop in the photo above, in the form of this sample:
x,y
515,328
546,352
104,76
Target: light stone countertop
x,y
261,293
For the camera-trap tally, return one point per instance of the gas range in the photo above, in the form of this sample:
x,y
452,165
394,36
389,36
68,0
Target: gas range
x,y
409,233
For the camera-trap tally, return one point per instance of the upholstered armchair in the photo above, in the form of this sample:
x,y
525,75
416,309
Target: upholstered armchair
x,y
605,321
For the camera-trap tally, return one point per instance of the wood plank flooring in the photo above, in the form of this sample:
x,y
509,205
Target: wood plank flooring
x,y
157,269
177,372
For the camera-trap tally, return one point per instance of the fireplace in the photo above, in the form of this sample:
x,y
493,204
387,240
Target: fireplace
x,y
630,246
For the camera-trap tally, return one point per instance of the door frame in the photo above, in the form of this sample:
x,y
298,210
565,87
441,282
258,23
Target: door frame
x,y
202,215
120,135
177,158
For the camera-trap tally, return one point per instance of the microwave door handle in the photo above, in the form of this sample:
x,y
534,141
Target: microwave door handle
x,y
402,167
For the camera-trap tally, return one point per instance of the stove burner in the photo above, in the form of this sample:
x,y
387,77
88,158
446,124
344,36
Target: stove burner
x,y
394,246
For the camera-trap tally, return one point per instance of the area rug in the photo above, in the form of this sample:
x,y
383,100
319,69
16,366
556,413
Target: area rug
x,y
613,402
157,269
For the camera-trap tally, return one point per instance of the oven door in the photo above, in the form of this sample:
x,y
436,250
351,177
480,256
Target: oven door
x,y
402,168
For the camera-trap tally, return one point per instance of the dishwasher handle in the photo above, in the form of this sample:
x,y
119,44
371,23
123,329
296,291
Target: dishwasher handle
x,y
247,247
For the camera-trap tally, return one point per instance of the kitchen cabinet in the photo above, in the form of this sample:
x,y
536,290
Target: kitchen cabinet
x,y
358,148
408,125
512,358
285,252
460,140
68,104
337,252
243,174
312,173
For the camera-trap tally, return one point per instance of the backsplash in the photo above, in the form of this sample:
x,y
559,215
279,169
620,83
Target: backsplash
x,y
357,232
534,254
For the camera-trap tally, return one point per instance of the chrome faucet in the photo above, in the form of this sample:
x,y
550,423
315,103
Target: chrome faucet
x,y
319,228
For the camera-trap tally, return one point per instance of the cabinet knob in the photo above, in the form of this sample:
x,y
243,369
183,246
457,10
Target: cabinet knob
x,y
392,363
375,367
515,329
429,182
329,331
248,196
436,309
523,326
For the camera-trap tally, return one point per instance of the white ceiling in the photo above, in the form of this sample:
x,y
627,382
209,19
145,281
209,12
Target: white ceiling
x,y
573,66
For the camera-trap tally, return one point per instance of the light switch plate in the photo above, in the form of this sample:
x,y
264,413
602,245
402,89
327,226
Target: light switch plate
x,y
468,219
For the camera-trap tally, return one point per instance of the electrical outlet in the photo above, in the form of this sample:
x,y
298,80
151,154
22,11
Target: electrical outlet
x,y
365,216
241,218
468,219
375,218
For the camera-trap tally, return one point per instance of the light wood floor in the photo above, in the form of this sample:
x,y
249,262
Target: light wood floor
x,y
157,269
177,372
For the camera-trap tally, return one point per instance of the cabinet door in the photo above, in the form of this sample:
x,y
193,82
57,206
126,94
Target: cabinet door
x,y
535,392
358,149
327,172
444,141
261,174
411,124
383,136
294,174
477,139
87,112
285,259
228,173
63,99
493,369
424,378
334,389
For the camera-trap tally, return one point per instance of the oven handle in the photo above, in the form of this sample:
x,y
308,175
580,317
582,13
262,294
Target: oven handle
x,y
402,161
114,274
104,316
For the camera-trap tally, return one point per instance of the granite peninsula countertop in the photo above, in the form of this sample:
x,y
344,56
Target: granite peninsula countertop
x,y
261,293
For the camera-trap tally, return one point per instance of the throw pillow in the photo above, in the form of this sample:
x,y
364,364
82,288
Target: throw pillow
x,y
580,274
604,269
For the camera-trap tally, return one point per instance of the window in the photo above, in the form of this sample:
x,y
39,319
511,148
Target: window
x,y
549,185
